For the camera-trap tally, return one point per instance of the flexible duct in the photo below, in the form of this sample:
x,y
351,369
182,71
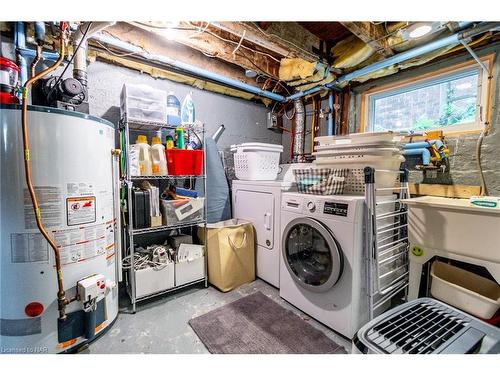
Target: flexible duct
x,y
299,130
80,59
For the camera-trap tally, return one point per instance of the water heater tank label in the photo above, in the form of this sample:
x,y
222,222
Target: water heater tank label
x,y
79,189
51,206
81,210
28,248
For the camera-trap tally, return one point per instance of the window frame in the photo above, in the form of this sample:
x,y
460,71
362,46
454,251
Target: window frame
x,y
462,69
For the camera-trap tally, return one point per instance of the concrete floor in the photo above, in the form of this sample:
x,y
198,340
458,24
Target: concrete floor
x,y
161,325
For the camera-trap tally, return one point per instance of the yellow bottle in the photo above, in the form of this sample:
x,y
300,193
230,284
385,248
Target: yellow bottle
x,y
158,159
145,168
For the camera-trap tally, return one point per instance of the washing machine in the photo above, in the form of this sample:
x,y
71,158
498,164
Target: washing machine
x,y
322,267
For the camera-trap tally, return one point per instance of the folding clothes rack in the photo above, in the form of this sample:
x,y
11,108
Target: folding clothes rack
x,y
387,242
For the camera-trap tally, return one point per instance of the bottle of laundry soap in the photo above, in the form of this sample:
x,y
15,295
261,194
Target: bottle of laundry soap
x,y
187,109
159,162
145,168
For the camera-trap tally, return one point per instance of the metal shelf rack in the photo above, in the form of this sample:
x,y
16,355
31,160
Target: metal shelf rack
x,y
128,246
387,242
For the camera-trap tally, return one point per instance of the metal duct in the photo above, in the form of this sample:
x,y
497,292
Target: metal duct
x,y
299,127
80,60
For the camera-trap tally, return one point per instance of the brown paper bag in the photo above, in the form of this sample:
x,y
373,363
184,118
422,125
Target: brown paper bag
x,y
231,253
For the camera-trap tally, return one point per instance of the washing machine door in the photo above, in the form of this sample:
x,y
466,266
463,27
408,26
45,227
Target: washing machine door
x,y
311,254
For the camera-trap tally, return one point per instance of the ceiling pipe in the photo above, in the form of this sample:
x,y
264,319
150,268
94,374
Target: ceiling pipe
x,y
199,72
403,56
398,58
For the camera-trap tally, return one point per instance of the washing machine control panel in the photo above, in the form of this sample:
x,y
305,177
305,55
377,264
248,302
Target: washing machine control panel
x,y
311,206
335,208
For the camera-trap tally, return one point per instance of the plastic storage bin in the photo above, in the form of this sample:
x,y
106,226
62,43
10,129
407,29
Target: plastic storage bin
x,y
191,266
143,103
182,210
465,290
149,280
256,161
184,162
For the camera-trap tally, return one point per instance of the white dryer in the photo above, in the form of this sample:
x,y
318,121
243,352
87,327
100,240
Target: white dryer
x,y
259,202
322,265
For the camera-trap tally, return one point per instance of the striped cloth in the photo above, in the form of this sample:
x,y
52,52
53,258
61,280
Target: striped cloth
x,y
321,181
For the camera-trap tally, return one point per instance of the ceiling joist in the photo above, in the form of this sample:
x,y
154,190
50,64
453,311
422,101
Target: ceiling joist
x,y
372,34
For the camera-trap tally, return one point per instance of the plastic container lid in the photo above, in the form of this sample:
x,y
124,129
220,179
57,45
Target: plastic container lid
x,y
155,141
142,139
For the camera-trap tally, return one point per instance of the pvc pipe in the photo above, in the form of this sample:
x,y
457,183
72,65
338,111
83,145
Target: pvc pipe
x,y
423,144
330,115
403,56
418,51
475,57
20,42
130,48
413,145
398,58
425,153
40,33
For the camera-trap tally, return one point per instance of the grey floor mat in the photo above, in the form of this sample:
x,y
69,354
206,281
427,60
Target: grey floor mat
x,y
257,324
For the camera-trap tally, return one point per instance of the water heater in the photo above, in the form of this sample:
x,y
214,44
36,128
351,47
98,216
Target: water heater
x,y
74,174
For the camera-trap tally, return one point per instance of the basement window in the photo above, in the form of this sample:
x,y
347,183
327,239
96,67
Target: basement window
x,y
453,100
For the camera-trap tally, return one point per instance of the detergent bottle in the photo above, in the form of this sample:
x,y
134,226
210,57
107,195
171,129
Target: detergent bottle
x,y
145,168
187,109
158,159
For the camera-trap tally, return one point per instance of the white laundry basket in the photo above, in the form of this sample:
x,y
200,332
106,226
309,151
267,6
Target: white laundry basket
x,y
256,161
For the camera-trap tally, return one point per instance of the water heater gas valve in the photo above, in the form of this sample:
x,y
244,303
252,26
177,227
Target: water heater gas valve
x,y
92,289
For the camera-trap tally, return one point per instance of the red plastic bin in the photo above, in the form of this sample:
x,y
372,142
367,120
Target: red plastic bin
x,y
184,162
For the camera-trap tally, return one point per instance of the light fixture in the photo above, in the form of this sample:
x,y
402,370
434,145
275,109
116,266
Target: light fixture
x,y
170,30
249,73
418,30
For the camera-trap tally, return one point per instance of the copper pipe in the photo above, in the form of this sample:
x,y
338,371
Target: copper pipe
x,y
61,297
36,60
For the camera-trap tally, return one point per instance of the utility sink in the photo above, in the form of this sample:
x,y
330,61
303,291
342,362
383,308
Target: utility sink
x,y
454,225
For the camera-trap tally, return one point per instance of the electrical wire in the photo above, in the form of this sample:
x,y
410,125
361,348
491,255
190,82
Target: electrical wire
x,y
234,42
114,53
284,40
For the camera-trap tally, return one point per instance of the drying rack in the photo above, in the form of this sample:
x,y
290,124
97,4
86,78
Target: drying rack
x,y
387,242
129,232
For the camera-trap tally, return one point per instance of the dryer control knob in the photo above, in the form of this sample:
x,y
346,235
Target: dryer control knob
x,y
311,206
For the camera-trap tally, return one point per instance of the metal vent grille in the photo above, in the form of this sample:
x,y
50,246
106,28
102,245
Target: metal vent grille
x,y
420,329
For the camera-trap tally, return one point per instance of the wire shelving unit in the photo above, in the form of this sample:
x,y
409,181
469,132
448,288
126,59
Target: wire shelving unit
x,y
129,232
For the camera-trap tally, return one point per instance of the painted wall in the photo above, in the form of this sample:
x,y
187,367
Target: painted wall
x,y
462,148
245,121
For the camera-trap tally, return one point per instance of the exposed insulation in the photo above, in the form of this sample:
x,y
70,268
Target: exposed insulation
x,y
350,52
294,69
176,77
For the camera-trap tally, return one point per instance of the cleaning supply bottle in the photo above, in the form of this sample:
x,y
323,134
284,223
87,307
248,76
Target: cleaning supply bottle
x,y
173,109
179,133
170,142
145,168
158,159
187,109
